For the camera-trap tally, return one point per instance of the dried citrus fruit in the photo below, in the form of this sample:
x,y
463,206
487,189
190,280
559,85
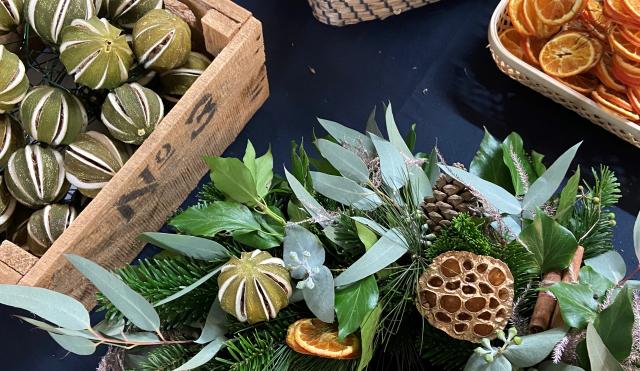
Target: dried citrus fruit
x,y
531,47
583,84
512,40
623,73
533,23
617,10
291,339
633,6
516,15
558,12
603,70
630,67
631,34
594,14
570,53
622,46
619,99
321,340
634,98
611,107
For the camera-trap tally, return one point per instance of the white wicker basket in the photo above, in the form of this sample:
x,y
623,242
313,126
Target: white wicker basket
x,y
549,87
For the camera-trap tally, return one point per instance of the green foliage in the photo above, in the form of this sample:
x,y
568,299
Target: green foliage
x,y
443,352
552,244
156,279
464,234
346,246
167,357
353,303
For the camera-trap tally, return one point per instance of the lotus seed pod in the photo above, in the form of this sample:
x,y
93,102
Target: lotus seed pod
x,y
7,206
35,176
125,13
176,82
12,138
161,40
48,17
52,115
46,225
255,287
13,80
131,113
92,160
95,53
10,15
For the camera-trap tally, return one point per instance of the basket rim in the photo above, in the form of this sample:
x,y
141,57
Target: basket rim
x,y
520,65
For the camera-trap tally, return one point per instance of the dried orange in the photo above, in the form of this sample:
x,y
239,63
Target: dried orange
x,y
619,99
291,339
533,23
630,67
622,72
570,53
632,34
618,11
531,47
634,98
611,107
622,46
512,40
558,12
321,339
633,6
516,14
583,84
594,14
603,70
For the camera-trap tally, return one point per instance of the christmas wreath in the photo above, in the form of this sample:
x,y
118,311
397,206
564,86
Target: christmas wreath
x,y
378,258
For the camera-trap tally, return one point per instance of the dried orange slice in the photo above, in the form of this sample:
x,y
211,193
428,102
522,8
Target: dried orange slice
x,y
515,12
512,40
622,46
611,107
634,98
603,70
558,12
583,84
291,339
632,34
619,99
630,67
618,11
570,53
623,72
533,23
594,14
532,47
633,6
321,339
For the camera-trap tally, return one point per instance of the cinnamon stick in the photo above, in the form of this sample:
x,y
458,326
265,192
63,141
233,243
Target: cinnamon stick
x,y
570,275
545,304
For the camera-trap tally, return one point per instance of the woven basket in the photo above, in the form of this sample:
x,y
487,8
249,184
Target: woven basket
x,y
346,12
549,87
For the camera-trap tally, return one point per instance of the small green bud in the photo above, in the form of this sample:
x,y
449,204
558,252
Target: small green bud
x,y
480,351
517,340
612,223
611,216
596,200
513,332
485,343
500,335
488,358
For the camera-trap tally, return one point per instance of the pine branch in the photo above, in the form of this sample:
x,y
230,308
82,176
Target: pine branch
x,y
155,279
167,357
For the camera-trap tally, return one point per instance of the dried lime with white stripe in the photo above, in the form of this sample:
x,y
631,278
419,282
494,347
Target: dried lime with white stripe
x,y
95,53
52,115
131,113
125,13
161,40
48,17
254,287
92,160
7,206
11,138
177,81
13,80
46,225
35,176
10,15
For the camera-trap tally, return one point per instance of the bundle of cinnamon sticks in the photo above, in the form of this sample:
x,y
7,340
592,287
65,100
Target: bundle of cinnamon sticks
x,y
546,313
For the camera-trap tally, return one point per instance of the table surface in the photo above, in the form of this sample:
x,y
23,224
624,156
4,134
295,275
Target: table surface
x,y
433,65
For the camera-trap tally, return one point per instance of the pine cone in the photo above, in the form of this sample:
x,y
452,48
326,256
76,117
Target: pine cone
x,y
450,197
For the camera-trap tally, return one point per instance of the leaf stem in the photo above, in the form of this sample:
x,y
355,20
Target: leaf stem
x,y
105,340
264,209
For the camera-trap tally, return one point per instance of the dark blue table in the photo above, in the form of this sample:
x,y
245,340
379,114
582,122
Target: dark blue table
x,y
433,64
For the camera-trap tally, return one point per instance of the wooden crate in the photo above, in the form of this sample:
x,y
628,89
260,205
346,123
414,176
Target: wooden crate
x,y
168,165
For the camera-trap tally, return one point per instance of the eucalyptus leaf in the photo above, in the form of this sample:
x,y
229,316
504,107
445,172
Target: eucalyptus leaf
x,y
389,248
552,244
205,355
392,165
599,356
419,183
213,325
372,125
534,348
77,345
611,265
58,330
633,284
544,187
142,337
488,162
110,327
636,236
615,324
366,236
346,162
321,298
188,289
345,191
477,363
567,201
313,207
497,196
130,303
380,230
577,305
54,307
234,179
353,303
394,134
193,247
345,135
299,245
551,366
368,330
515,158
597,282
433,170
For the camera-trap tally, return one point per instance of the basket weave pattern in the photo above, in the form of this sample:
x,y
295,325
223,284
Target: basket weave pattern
x,y
346,12
549,87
